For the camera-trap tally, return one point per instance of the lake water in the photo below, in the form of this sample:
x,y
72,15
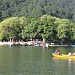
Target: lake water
x,y
28,60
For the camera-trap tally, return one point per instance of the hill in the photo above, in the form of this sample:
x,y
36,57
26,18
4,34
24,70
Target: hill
x,y
36,8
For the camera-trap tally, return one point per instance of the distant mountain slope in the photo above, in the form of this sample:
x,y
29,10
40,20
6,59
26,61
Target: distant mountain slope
x,y
36,8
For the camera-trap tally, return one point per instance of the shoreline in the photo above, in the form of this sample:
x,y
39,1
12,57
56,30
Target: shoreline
x,y
29,43
59,45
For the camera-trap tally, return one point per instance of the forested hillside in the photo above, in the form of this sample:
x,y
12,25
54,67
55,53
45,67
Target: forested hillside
x,y
37,8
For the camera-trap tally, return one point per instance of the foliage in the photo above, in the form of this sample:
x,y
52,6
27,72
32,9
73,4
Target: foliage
x,y
37,8
11,27
48,27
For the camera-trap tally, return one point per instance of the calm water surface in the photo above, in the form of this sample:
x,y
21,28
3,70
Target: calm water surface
x,y
24,60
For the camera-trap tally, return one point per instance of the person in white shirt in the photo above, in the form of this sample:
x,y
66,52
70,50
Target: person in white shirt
x,y
69,54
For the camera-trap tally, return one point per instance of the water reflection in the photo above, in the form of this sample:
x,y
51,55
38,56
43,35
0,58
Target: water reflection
x,y
34,61
64,66
71,65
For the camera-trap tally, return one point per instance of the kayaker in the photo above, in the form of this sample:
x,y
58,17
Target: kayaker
x,y
73,53
69,54
57,52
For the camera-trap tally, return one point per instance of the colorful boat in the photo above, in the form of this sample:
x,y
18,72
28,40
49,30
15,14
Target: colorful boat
x,y
63,56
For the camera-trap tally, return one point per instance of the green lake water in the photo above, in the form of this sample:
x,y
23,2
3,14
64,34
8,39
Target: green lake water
x,y
28,60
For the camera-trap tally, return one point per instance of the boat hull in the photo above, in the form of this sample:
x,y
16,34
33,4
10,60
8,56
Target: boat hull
x,y
63,56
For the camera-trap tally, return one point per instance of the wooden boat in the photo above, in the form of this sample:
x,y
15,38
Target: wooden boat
x,y
63,56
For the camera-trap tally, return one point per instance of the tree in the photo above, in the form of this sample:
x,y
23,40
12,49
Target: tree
x,y
48,27
64,30
30,30
11,28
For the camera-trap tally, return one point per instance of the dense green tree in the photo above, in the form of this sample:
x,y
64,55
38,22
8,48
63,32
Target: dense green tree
x,y
30,30
73,30
64,30
46,27
11,27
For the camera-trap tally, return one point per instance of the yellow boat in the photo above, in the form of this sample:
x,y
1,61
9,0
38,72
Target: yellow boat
x,y
63,56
